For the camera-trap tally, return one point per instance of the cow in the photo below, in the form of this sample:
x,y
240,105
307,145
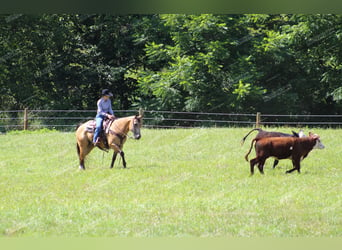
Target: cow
x,y
264,134
293,148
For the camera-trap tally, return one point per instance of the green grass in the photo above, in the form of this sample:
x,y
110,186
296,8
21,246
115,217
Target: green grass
x,y
181,182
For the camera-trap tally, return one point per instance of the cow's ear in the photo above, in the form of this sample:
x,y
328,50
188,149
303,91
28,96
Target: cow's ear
x,y
314,136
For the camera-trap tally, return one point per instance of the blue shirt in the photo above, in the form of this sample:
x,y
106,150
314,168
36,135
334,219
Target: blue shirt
x,y
104,107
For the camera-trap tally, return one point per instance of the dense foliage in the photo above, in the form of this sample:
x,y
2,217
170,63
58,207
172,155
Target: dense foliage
x,y
218,63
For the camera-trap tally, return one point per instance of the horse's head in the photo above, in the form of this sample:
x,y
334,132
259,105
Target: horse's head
x,y
136,124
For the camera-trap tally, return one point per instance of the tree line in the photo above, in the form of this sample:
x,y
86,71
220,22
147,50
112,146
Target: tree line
x,y
281,64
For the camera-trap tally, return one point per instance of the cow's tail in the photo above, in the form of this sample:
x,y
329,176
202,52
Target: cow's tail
x,y
243,139
250,149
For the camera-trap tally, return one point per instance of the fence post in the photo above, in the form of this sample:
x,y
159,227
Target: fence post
x,y
257,121
25,119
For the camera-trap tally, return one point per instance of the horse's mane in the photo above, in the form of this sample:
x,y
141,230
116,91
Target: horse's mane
x,y
121,119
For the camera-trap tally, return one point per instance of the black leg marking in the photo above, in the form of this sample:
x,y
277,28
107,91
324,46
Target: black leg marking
x,y
113,159
82,167
123,158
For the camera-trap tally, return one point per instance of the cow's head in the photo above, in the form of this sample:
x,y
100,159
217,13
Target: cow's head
x,y
319,144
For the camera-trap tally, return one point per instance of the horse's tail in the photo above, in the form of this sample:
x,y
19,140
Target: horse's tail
x,y
78,125
243,139
250,149
78,149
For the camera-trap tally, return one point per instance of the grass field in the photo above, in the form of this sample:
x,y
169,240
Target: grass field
x,y
182,182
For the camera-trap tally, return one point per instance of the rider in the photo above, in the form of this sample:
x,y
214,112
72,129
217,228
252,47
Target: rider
x,y
104,109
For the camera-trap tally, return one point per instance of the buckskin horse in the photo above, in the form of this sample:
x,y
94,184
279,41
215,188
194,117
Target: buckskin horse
x,y
115,137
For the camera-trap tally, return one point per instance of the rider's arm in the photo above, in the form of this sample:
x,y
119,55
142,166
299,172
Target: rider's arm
x,y
110,109
100,110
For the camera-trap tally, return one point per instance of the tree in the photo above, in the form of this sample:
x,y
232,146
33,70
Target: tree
x,y
198,67
218,63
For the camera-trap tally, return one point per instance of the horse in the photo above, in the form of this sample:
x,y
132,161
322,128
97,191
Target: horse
x,y
116,137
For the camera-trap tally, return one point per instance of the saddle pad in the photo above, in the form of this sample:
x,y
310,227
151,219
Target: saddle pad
x,y
91,125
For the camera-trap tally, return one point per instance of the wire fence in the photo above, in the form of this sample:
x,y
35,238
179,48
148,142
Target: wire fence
x,y
67,120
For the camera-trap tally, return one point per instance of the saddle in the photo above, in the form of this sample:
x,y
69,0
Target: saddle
x,y
91,126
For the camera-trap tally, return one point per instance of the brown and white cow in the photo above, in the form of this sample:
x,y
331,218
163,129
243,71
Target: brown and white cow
x,y
264,134
292,148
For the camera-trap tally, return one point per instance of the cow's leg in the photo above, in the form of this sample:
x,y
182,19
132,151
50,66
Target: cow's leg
x,y
123,159
275,163
113,159
261,166
291,170
296,165
252,163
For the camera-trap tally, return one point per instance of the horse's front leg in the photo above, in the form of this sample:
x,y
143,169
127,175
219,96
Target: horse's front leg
x,y
123,159
113,159
117,149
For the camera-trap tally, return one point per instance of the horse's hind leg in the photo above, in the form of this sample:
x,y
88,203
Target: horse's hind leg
x,y
80,156
84,150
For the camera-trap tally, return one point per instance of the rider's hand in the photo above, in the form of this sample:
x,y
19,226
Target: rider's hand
x,y
112,117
